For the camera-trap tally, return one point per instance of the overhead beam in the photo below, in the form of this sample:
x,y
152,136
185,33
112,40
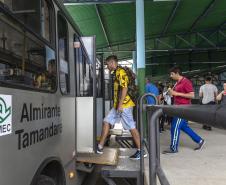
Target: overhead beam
x,y
185,41
166,50
214,31
206,39
171,17
90,2
193,46
222,33
166,54
218,28
210,35
204,14
158,36
221,25
102,25
164,43
165,63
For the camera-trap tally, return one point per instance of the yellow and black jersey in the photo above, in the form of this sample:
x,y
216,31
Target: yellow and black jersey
x,y
121,80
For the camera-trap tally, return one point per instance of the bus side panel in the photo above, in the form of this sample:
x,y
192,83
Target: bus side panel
x,y
67,105
39,130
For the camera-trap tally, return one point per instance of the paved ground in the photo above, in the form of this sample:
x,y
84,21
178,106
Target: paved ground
x,y
189,167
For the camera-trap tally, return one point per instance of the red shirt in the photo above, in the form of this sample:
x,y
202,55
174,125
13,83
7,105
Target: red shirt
x,y
183,86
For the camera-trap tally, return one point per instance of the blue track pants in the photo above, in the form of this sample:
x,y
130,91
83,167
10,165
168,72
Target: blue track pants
x,y
181,124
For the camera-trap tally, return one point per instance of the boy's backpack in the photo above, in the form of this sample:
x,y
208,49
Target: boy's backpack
x,y
132,87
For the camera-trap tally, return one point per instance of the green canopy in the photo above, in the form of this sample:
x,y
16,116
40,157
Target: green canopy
x,y
184,32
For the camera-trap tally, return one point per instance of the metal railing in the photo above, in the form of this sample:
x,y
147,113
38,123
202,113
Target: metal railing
x,y
153,144
154,149
139,118
212,115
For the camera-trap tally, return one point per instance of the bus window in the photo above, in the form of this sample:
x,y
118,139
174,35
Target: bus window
x,y
24,58
46,23
47,78
63,54
85,79
28,13
38,15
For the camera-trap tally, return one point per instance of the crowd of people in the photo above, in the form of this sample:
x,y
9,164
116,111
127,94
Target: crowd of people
x,y
180,94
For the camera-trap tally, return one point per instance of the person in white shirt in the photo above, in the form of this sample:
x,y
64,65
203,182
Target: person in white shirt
x,y
208,93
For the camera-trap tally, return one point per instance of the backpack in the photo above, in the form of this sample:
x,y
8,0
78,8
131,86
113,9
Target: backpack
x,y
133,91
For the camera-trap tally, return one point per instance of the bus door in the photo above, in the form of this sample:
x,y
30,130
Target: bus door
x,y
100,106
87,102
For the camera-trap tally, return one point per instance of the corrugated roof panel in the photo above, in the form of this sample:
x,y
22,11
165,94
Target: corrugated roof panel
x,y
186,14
119,20
156,16
82,12
88,22
215,17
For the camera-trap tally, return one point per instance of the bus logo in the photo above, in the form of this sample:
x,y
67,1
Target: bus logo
x,y
4,111
5,114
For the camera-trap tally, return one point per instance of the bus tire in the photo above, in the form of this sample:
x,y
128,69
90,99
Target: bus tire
x,y
45,180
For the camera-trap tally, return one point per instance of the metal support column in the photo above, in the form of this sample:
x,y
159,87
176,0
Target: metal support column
x,y
140,38
135,62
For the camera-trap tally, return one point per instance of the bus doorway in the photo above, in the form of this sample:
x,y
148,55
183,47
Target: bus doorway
x,y
88,96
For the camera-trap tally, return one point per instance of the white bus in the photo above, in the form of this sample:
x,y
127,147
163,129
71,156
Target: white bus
x,y
45,73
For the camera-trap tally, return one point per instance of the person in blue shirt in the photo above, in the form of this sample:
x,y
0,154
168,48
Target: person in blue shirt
x,y
151,88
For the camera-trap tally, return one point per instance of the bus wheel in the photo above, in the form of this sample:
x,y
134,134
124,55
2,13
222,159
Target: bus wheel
x,y
45,180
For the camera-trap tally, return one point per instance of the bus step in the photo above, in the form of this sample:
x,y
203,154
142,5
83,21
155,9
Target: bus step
x,y
85,167
117,132
126,168
125,141
109,157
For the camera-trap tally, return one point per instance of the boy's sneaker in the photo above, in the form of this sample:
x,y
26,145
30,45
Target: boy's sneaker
x,y
201,144
99,150
170,151
137,155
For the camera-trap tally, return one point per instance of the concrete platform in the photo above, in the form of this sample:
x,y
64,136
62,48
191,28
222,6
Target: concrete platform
x,y
125,165
188,167
126,168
